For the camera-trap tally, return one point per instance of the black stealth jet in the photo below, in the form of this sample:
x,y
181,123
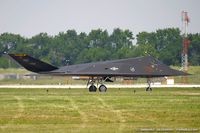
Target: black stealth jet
x,y
145,67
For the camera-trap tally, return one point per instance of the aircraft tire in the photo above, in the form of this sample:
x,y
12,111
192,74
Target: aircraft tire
x,y
92,88
102,88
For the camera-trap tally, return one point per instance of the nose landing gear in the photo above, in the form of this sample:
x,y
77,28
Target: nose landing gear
x,y
149,85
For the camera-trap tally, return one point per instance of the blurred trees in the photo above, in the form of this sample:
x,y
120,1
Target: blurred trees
x,y
71,48
194,49
164,44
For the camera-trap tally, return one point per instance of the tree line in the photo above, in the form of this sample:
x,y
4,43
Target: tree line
x,y
98,45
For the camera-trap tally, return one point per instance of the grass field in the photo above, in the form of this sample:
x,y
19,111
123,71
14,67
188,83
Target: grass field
x,y
118,110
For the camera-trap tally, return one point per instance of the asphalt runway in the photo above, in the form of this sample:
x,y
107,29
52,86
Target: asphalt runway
x,y
108,86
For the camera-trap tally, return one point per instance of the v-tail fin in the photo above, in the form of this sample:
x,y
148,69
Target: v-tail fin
x,y
32,64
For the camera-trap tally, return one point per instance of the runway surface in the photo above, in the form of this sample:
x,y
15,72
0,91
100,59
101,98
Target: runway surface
x,y
108,86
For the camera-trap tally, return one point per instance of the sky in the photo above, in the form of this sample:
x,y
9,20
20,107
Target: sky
x,y
31,17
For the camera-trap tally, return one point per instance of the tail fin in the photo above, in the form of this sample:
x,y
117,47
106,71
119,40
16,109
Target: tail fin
x,y
31,63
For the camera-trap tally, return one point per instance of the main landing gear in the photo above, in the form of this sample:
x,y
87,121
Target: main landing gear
x,y
102,88
149,85
93,88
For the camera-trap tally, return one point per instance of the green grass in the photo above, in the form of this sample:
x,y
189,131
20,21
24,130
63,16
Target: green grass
x,y
118,110
195,70
13,70
55,80
192,79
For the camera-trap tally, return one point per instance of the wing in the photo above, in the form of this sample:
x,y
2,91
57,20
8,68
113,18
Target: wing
x,y
133,67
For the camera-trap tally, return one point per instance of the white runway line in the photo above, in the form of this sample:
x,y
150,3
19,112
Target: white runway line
x,y
109,86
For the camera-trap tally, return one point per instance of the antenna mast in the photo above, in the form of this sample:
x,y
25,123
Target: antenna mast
x,y
186,42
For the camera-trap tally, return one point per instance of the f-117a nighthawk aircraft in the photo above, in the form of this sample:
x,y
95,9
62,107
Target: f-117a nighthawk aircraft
x,y
144,67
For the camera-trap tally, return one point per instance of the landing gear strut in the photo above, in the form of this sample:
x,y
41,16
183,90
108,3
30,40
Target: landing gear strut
x,y
92,87
149,85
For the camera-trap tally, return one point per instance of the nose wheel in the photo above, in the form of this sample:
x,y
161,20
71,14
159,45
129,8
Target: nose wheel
x,y
149,85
